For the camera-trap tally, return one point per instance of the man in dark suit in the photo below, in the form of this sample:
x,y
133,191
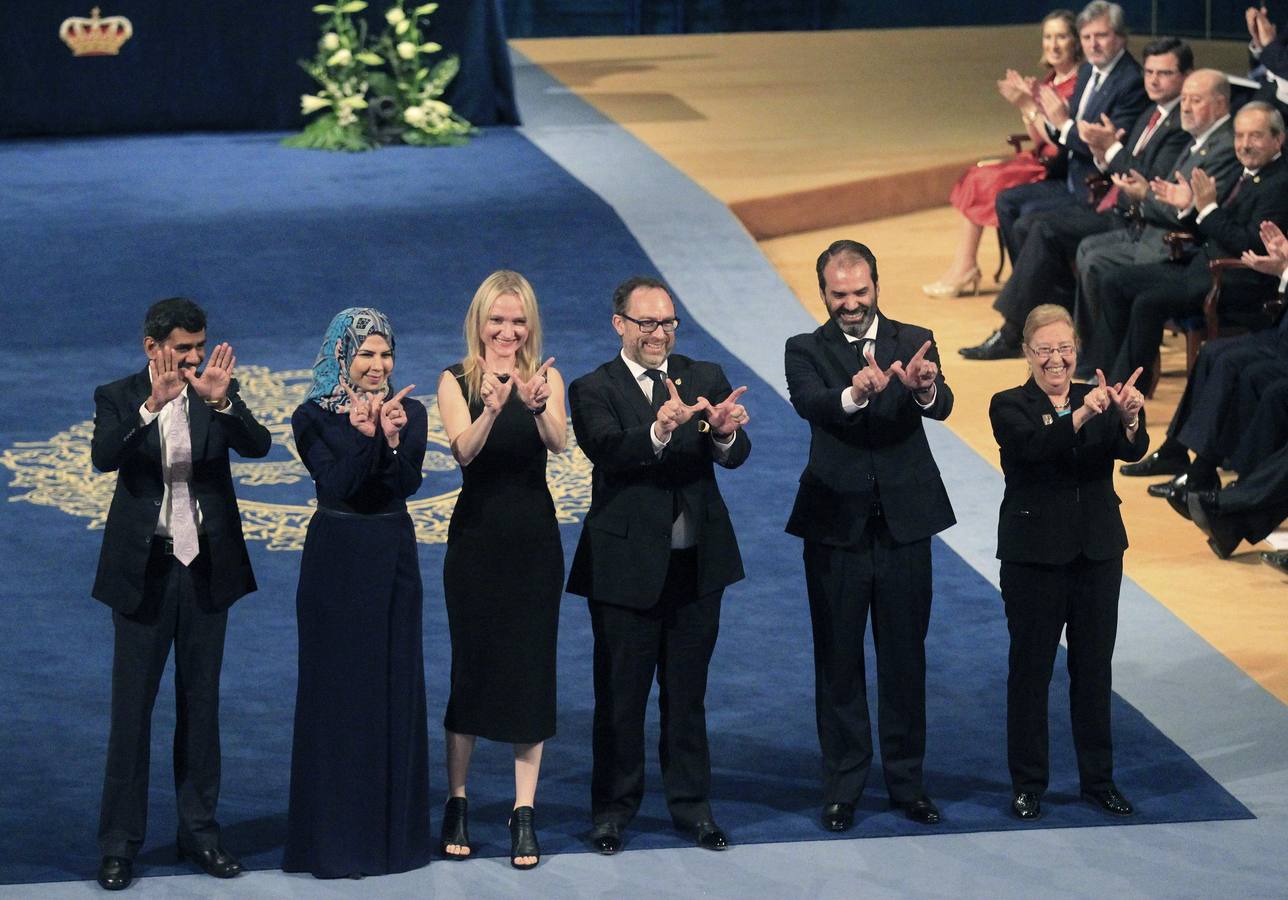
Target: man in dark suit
x,y
869,500
1048,240
655,555
173,561
1109,84
1138,300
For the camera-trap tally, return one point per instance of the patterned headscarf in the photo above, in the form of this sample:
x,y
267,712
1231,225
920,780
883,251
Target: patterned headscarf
x,y
350,327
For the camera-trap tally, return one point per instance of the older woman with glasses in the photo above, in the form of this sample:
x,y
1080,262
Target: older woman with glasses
x,y
1061,539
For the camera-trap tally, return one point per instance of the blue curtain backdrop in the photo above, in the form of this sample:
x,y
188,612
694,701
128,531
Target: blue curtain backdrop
x,y
230,65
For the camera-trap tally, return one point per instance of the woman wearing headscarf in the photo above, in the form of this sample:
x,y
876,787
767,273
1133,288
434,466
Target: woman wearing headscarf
x,y
1061,539
503,411
359,802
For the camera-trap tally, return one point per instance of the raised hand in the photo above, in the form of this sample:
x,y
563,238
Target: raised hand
x,y
1097,399
1126,398
1174,193
494,390
536,390
1100,136
1133,184
1203,186
1053,106
167,383
728,415
212,384
393,417
871,379
920,373
1273,238
363,410
1267,265
1260,28
1013,88
674,413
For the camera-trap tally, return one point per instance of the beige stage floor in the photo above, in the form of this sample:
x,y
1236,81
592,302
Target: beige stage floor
x,y
816,136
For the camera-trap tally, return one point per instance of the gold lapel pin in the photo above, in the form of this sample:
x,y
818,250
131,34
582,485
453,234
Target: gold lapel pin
x,y
1046,419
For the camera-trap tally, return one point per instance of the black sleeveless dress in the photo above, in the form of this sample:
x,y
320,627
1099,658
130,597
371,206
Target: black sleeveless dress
x,y
502,580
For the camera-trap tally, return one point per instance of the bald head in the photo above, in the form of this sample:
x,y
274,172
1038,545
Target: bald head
x,y
1205,98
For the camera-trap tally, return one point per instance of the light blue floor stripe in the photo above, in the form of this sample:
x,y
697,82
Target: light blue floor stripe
x,y
1205,704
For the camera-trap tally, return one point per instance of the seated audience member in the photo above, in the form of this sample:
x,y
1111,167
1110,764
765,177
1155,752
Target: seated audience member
x,y
1255,505
1221,394
1137,300
976,190
1043,271
1109,84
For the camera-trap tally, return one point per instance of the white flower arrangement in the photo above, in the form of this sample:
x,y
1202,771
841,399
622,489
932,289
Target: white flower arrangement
x,y
378,91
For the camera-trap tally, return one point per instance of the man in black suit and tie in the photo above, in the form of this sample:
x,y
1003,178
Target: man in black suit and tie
x,y
1138,300
869,500
655,555
1048,240
173,561
1109,84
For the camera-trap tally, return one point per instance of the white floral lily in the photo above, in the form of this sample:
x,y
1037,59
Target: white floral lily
x,y
341,57
414,116
426,9
406,50
431,47
395,15
331,41
311,103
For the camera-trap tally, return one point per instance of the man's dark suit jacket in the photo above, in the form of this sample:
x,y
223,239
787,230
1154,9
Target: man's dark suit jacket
x,y
1059,499
1235,226
625,546
123,445
1158,157
1121,97
883,444
1216,158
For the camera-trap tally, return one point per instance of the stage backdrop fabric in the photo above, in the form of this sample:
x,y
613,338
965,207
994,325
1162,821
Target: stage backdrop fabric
x,y
214,66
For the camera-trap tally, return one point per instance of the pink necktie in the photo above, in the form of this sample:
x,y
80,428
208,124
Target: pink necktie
x,y
183,507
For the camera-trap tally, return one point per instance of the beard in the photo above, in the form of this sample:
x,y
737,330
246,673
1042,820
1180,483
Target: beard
x,y
859,328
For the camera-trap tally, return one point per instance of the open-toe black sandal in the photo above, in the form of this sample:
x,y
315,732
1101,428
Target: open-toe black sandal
x,y
456,826
523,838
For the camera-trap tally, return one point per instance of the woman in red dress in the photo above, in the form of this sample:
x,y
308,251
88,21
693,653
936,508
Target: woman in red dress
x,y
977,189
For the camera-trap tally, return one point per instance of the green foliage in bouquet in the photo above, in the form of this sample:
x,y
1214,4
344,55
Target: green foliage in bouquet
x,y
378,91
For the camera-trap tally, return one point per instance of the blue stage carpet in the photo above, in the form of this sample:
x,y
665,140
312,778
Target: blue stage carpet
x,y
273,242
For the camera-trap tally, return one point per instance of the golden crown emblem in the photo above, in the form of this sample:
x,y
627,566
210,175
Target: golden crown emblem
x,y
95,36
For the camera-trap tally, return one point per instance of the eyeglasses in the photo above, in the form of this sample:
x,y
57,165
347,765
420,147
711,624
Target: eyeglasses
x,y
648,326
1045,352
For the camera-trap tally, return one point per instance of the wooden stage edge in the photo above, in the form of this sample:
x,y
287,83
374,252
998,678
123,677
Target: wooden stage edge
x,y
863,200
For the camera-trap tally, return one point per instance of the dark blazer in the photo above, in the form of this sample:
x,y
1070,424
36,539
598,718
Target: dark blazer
x,y
1216,158
625,545
122,444
1158,157
1121,97
1059,500
883,444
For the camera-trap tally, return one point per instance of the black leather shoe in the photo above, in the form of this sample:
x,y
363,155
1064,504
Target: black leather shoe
x,y
1155,464
456,828
922,810
838,816
214,861
115,873
710,836
523,838
1110,801
995,346
1026,805
1205,510
1276,559
606,838
1175,493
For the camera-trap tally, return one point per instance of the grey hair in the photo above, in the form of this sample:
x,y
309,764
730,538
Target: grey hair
x,y
1099,9
1275,116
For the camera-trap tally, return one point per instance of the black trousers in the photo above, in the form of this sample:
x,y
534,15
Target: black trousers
x,y
893,582
673,640
1025,199
1222,393
1081,599
168,615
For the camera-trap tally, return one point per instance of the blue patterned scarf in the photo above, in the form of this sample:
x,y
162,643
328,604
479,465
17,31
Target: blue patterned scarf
x,y
350,327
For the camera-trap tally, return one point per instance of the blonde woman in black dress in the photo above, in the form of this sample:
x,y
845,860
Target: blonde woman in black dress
x,y
503,411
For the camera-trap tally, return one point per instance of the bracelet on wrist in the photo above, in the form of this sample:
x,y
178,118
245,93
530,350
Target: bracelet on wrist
x,y
538,411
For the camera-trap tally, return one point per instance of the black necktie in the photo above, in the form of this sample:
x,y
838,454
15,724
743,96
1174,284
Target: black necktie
x,y
861,347
659,387
1238,185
